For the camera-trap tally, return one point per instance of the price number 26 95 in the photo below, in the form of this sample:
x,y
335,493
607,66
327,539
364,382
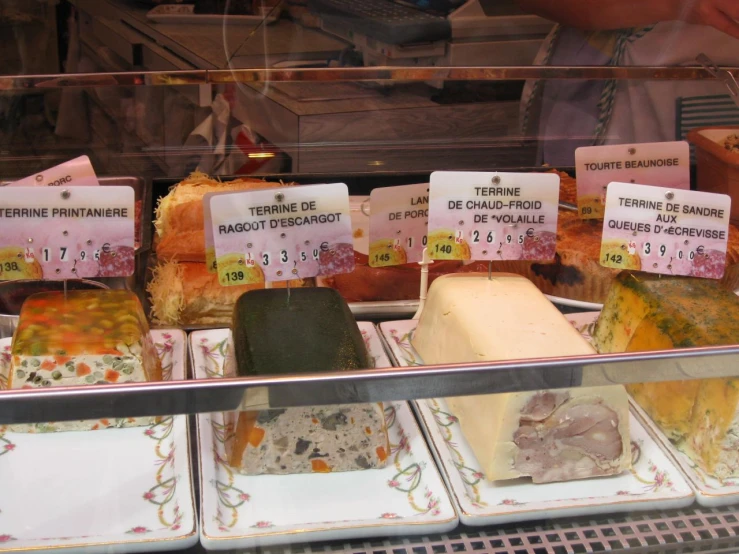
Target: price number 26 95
x,y
490,238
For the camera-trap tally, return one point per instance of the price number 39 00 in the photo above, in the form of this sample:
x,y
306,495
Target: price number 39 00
x,y
662,250
648,249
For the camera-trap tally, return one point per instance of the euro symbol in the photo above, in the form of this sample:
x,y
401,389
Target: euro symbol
x,y
530,232
106,247
324,247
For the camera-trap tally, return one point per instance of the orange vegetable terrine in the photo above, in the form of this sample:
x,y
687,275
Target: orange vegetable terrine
x,y
88,337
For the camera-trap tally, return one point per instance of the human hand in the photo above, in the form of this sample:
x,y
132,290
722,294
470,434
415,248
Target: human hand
x,y
719,14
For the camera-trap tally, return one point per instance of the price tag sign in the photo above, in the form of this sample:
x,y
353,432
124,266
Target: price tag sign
x,y
398,224
56,233
657,230
74,173
210,248
282,234
662,164
493,216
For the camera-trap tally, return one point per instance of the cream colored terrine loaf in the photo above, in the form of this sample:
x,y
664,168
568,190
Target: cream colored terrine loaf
x,y
556,435
470,318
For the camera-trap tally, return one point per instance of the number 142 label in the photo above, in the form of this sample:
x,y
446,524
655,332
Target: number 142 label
x,y
667,231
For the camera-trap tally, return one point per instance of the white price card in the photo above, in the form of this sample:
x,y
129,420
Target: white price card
x,y
282,234
664,164
210,249
658,230
54,233
74,173
493,216
398,224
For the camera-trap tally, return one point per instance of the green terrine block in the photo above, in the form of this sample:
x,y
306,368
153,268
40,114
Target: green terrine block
x,y
310,331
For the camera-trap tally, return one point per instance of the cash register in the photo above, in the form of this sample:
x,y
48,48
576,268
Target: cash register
x,y
434,32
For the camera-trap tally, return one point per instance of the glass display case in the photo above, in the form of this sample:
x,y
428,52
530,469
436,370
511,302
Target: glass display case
x,y
531,401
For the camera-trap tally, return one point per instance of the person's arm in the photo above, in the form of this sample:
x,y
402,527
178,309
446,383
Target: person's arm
x,y
596,15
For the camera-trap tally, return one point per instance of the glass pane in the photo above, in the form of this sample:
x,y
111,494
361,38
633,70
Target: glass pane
x,y
533,405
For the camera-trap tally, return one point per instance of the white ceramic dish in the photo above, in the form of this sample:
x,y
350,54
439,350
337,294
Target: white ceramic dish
x,y
709,492
238,511
592,306
185,14
109,491
654,482
584,322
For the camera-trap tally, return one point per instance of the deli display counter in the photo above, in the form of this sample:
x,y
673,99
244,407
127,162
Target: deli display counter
x,y
239,361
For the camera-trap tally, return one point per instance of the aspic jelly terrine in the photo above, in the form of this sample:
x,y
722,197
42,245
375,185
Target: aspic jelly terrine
x,y
85,337
311,331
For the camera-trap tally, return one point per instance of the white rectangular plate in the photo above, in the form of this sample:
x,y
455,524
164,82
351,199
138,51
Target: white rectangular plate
x,y
709,492
239,511
107,491
584,322
654,482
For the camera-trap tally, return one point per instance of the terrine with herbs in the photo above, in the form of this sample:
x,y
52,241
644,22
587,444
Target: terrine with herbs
x,y
654,312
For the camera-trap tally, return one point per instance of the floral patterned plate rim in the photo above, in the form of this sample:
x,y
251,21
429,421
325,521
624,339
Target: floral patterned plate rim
x,y
584,322
132,491
654,482
709,491
238,511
